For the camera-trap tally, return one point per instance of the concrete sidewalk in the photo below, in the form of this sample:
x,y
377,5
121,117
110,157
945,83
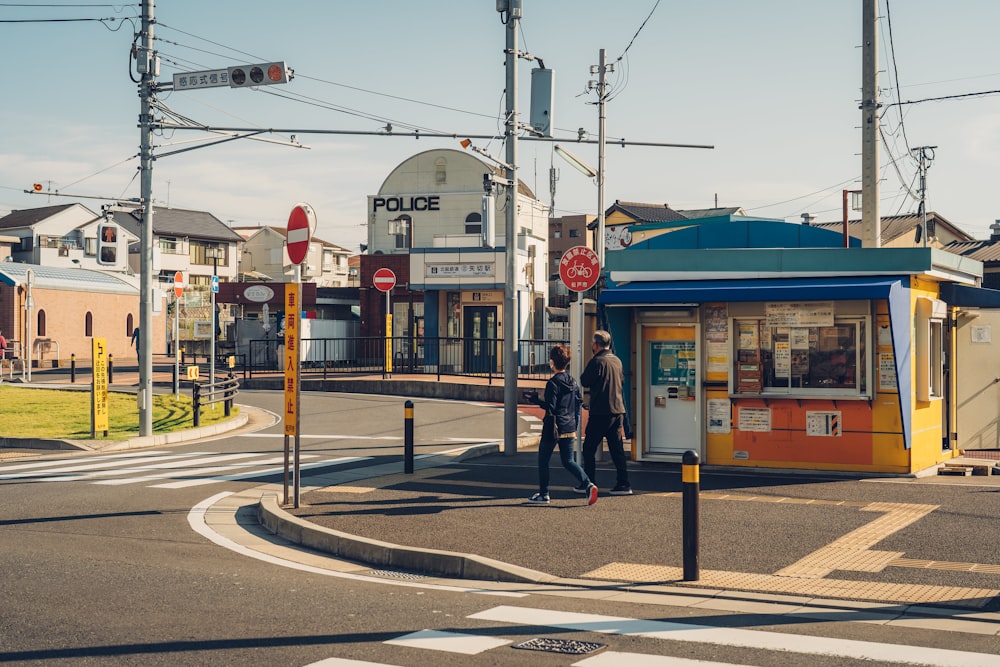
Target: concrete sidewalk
x,y
467,519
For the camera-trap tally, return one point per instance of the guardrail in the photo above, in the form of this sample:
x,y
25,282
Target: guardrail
x,y
221,391
440,356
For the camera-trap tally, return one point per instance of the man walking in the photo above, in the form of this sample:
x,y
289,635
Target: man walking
x,y
603,376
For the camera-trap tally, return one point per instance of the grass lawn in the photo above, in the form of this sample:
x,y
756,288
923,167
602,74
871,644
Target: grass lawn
x,y
53,413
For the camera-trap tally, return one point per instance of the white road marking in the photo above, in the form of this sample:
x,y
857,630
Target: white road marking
x,y
190,472
726,636
346,662
196,519
619,658
172,464
452,642
51,462
325,437
123,460
258,473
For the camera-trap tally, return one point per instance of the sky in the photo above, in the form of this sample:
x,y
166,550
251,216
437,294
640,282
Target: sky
x,y
773,85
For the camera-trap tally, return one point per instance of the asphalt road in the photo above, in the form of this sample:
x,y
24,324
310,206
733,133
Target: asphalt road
x,y
100,572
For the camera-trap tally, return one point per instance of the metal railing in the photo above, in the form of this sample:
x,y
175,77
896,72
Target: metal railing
x,y
223,391
440,356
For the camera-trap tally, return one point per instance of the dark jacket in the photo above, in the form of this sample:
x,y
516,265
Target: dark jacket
x,y
562,402
603,377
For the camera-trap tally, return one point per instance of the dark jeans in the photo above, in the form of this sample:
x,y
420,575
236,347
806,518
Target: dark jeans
x,y
545,448
600,427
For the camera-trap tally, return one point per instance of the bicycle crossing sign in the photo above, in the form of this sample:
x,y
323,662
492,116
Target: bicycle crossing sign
x,y
579,268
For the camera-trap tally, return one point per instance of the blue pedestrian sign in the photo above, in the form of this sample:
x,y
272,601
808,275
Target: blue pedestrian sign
x,y
215,284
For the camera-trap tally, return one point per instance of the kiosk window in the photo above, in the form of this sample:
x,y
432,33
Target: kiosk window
x,y
806,360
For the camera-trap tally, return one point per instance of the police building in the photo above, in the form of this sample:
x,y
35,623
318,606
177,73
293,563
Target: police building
x,y
435,225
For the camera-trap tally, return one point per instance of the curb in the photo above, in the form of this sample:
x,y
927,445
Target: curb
x,y
385,554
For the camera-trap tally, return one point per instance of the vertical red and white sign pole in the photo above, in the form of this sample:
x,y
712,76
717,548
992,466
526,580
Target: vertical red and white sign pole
x,y
301,222
579,269
384,280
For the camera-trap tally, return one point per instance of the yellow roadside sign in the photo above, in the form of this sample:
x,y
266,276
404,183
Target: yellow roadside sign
x,y
291,356
192,372
99,386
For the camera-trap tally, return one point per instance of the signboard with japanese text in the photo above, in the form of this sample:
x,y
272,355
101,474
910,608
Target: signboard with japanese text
x,y
99,386
291,358
460,270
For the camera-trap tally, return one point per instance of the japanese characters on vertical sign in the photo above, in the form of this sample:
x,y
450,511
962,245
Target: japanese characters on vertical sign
x,y
99,385
291,356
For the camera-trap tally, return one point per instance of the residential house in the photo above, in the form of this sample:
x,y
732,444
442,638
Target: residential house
x,y
264,258
67,235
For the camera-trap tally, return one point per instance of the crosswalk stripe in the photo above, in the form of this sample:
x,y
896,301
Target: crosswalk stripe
x,y
188,472
304,436
172,464
347,662
452,642
49,462
257,473
619,658
86,464
727,636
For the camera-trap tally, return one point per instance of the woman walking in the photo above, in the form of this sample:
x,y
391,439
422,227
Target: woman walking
x,y
562,402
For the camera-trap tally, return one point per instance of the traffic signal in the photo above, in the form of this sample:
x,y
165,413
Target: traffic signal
x,y
107,244
264,74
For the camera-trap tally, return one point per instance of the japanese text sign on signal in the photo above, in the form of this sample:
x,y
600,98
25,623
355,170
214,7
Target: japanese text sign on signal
x,y
384,280
301,222
579,268
178,284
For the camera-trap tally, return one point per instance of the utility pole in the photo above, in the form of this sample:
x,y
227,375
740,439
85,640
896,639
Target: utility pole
x,y
871,222
510,314
926,156
147,64
602,88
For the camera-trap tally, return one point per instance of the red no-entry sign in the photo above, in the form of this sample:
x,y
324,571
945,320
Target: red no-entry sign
x,y
178,284
384,280
299,231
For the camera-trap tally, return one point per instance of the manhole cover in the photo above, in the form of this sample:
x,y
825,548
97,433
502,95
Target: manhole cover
x,y
572,646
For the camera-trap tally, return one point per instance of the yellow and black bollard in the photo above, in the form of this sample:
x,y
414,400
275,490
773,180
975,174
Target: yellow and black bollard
x,y
72,367
408,437
689,491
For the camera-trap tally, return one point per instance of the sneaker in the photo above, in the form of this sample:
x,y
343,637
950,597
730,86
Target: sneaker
x,y
583,489
592,494
539,499
621,490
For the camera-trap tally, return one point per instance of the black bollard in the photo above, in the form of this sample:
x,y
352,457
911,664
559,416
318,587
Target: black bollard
x,y
689,490
408,437
196,403
111,368
72,368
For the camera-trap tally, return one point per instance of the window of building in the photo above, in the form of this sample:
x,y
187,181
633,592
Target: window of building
x,y
801,360
402,229
454,314
929,344
557,234
440,171
474,223
40,323
88,324
129,325
90,246
168,245
198,253
574,233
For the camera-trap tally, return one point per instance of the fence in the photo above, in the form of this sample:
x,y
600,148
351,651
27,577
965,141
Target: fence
x,y
325,357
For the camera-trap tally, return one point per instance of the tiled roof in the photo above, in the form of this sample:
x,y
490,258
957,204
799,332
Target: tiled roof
x,y
694,213
76,280
247,232
646,212
894,226
983,251
183,223
31,216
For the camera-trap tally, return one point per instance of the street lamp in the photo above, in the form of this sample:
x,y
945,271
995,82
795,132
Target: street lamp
x,y
214,253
